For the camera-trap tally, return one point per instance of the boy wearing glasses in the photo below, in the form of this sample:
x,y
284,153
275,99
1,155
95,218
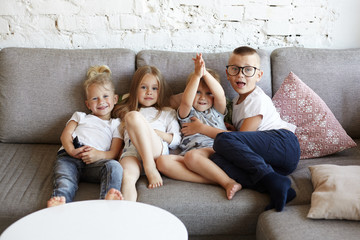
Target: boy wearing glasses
x,y
262,150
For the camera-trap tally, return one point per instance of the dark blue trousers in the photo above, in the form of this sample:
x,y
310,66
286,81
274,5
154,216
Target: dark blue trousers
x,y
248,156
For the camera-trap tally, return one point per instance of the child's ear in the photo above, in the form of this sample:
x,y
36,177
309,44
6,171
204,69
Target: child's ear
x,y
227,74
260,74
116,98
87,104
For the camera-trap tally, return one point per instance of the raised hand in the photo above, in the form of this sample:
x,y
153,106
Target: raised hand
x,y
199,65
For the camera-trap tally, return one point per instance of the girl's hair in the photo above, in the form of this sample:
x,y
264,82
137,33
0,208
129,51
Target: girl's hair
x,y
131,103
100,75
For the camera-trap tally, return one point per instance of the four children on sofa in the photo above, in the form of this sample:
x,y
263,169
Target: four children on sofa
x,y
258,154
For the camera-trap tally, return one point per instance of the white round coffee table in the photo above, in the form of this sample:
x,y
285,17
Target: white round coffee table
x,y
100,220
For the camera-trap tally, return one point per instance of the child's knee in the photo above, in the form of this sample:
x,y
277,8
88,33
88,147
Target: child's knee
x,y
222,140
132,116
114,166
162,163
191,157
131,173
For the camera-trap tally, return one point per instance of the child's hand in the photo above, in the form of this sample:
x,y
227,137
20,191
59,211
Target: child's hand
x,y
159,133
192,127
230,127
90,155
167,137
199,65
76,152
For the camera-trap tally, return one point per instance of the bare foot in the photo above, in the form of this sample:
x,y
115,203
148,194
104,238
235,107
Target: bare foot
x,y
232,188
114,194
56,201
154,178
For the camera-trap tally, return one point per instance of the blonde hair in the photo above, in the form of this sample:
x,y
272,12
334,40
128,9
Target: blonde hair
x,y
100,75
131,103
211,71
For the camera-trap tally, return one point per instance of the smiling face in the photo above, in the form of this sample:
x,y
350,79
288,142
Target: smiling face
x,y
148,90
203,98
241,84
101,100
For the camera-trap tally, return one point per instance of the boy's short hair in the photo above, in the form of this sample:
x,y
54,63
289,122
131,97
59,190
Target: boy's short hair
x,y
211,71
245,50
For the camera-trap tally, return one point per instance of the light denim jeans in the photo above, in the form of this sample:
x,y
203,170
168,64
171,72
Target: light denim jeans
x,y
68,171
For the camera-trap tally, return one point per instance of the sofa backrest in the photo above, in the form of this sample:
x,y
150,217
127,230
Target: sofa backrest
x,y
333,74
41,88
176,66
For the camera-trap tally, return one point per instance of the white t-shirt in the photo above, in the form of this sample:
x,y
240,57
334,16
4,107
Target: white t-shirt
x,y
258,103
95,132
165,122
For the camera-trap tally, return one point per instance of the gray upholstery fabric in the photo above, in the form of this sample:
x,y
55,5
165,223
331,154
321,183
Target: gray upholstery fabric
x,y
333,74
42,88
301,178
293,224
25,179
204,209
176,66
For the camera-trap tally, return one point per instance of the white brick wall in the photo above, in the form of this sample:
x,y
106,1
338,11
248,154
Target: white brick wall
x,y
180,25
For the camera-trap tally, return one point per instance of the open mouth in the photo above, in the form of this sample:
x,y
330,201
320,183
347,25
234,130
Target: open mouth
x,y
102,107
240,84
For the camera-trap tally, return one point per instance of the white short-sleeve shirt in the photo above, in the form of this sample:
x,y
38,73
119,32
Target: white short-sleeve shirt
x,y
258,103
94,131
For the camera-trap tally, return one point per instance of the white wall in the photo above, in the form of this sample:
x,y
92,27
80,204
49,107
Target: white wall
x,y
346,30
181,25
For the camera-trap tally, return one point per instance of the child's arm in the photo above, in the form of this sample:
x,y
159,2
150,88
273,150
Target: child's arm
x,y
167,137
189,94
92,155
251,123
67,140
172,133
196,126
217,91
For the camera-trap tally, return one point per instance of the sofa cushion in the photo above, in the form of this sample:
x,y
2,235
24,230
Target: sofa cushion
x,y
301,177
42,88
336,192
292,223
318,130
333,74
176,66
25,179
204,209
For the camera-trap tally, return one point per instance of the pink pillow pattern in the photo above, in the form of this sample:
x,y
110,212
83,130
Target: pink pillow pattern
x,y
318,131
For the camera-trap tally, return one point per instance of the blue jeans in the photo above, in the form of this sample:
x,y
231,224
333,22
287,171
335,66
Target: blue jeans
x,y
68,171
247,157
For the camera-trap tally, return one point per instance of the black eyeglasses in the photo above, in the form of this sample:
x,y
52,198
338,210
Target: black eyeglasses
x,y
248,71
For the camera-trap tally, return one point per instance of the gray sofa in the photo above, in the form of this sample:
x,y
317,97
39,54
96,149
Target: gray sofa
x,y
41,88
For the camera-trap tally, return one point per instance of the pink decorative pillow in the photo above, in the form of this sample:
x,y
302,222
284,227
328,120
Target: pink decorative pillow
x,y
318,131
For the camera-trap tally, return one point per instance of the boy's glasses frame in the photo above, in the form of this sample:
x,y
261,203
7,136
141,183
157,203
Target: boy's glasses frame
x,y
246,73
